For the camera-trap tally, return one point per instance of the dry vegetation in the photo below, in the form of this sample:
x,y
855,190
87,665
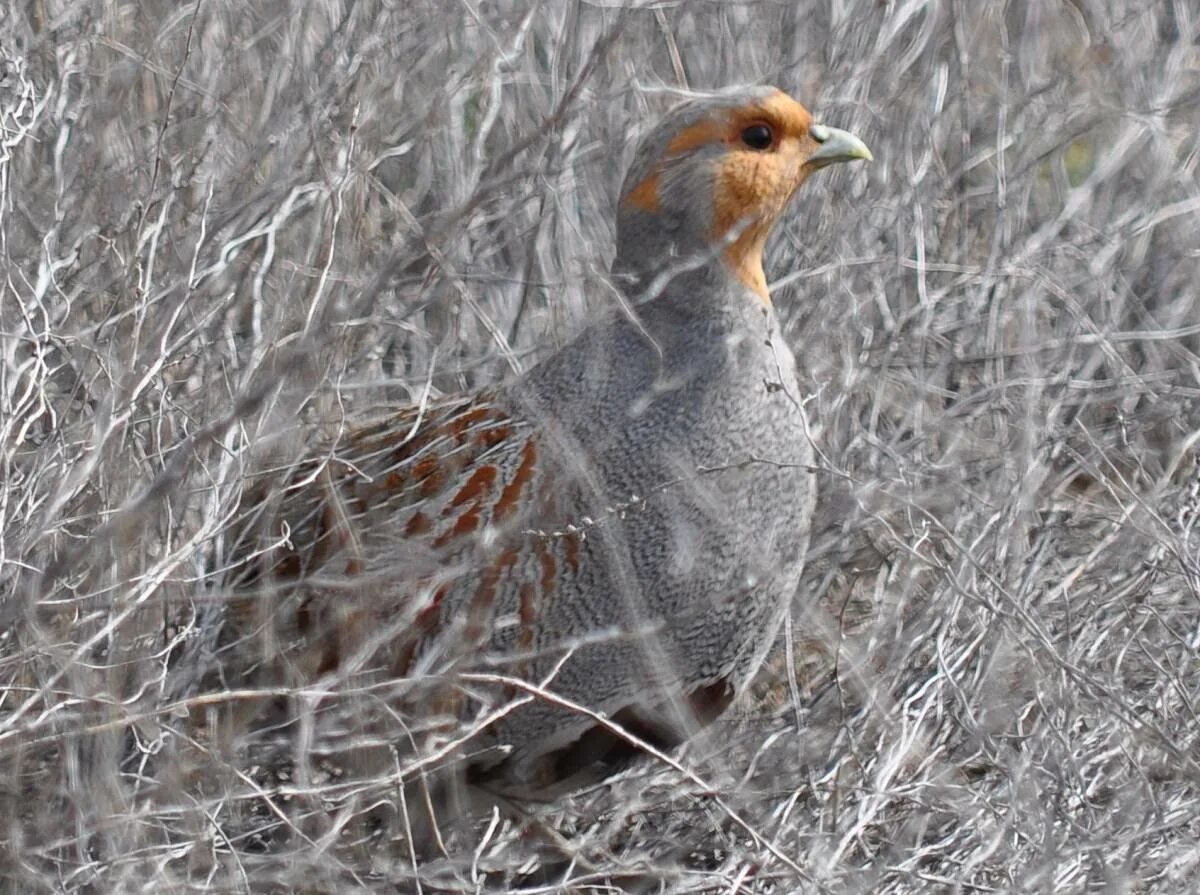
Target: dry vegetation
x,y
216,218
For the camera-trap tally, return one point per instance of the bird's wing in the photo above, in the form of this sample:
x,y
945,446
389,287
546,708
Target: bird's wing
x,y
364,536
438,477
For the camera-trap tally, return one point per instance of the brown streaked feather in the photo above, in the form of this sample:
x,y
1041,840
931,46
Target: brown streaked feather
x,y
383,524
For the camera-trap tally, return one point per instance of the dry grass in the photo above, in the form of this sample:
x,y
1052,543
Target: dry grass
x,y
215,218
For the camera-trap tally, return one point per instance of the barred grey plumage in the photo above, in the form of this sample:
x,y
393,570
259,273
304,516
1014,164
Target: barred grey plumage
x,y
624,524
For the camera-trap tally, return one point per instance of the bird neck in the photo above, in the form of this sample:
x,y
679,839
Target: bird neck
x,y
744,259
651,262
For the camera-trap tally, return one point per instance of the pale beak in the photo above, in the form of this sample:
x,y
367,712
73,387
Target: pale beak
x,y
836,146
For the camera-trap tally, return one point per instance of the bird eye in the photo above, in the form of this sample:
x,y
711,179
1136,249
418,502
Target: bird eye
x,y
758,137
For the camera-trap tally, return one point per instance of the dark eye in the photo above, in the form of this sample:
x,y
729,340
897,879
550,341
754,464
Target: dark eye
x,y
758,136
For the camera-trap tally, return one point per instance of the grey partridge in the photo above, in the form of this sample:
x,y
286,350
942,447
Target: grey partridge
x,y
623,525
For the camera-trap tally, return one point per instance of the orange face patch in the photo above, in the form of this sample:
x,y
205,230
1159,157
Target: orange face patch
x,y
644,196
703,133
789,116
750,187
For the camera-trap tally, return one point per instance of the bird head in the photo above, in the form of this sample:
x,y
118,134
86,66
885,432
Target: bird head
x,y
711,179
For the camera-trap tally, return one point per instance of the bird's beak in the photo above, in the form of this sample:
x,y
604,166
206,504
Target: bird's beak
x,y
836,146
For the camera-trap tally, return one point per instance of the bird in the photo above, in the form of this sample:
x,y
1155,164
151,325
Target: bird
x,y
609,541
